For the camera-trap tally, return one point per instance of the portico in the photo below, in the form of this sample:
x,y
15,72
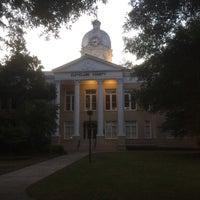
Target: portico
x,y
91,89
99,110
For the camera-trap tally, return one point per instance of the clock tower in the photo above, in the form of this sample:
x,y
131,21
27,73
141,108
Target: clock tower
x,y
97,43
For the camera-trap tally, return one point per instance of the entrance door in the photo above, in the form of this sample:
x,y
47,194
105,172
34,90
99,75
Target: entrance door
x,y
90,130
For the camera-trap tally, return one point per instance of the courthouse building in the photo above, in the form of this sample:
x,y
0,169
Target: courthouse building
x,y
93,83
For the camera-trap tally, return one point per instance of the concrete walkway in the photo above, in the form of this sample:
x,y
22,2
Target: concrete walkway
x,y
13,184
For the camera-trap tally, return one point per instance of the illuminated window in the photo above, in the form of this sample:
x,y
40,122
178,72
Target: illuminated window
x,y
111,130
129,100
111,99
147,129
69,101
68,130
131,129
90,99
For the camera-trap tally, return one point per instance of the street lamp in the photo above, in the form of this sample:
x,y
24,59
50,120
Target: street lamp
x,y
89,112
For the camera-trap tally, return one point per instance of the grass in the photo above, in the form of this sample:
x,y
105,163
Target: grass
x,y
12,163
139,175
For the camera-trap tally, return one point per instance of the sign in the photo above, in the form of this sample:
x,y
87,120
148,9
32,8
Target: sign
x,y
82,74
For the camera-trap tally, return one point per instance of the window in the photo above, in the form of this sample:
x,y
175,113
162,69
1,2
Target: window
x,y
3,104
69,101
90,99
169,135
147,129
111,130
13,104
129,100
68,130
8,104
131,129
111,99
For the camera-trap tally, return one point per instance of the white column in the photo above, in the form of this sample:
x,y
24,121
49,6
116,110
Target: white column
x,y
76,108
100,108
120,108
57,133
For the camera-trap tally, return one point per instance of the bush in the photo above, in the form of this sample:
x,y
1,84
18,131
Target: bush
x,y
57,149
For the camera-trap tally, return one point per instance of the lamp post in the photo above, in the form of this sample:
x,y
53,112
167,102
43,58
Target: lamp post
x,y
89,112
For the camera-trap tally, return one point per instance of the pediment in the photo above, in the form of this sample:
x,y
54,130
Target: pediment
x,y
87,63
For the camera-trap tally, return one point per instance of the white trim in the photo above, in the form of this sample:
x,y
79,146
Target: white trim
x,y
100,114
76,108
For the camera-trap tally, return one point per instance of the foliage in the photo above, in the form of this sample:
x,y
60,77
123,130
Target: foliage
x,y
168,39
27,113
171,81
50,14
157,21
56,149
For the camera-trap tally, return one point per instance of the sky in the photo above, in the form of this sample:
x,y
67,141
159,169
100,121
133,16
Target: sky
x,y
57,52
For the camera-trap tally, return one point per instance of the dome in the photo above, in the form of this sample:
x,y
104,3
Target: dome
x,y
97,43
96,36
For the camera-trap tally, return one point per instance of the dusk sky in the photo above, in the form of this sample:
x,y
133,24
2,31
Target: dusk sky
x,y
57,52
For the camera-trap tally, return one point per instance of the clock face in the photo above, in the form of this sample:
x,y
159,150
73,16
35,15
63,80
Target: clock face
x,y
94,41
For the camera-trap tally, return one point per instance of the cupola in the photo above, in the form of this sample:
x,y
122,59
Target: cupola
x,y
97,43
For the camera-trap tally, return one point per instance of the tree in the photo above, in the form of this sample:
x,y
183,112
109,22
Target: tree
x,y
168,40
171,81
50,14
156,22
27,114
17,16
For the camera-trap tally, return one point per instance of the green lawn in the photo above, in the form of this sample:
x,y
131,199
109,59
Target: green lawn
x,y
12,163
137,175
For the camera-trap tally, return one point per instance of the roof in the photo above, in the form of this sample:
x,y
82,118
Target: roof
x,y
88,63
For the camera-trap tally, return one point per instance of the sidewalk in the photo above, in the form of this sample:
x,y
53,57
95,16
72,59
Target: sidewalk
x,y
13,184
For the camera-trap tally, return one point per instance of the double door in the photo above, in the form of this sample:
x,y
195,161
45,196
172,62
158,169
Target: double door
x,y
90,131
